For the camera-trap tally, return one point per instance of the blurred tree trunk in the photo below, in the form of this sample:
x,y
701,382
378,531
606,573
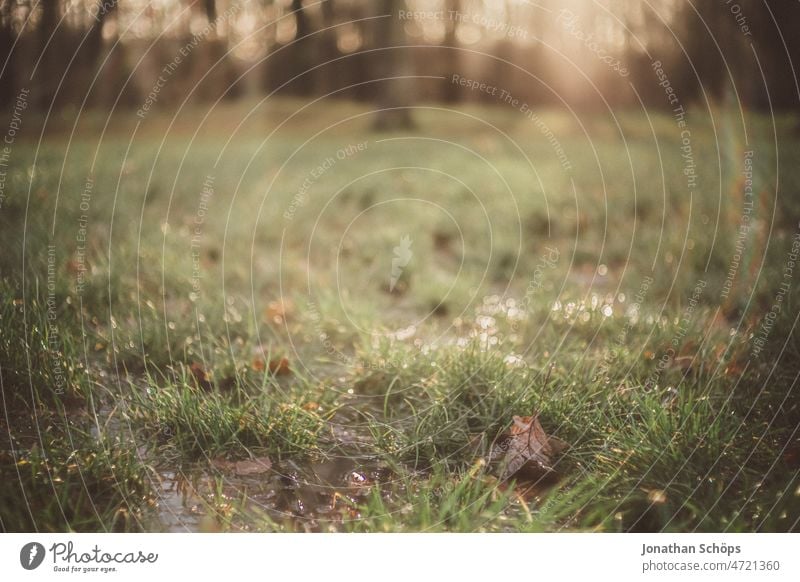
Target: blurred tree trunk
x,y
47,72
210,7
776,60
303,50
327,50
289,69
93,49
212,63
8,61
303,24
94,40
711,22
451,54
394,95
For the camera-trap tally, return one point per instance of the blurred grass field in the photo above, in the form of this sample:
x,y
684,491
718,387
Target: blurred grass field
x,y
180,293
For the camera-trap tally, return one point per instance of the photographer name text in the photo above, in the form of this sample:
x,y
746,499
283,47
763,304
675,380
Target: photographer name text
x,y
675,548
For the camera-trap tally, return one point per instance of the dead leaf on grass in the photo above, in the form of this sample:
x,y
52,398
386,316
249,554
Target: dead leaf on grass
x,y
201,376
280,366
276,366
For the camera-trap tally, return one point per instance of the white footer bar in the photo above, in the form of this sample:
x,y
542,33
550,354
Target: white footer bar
x,y
356,557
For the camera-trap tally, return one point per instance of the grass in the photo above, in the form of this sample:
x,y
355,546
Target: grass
x,y
197,423
165,275
94,487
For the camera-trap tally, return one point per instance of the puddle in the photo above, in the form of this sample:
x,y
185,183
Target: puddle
x,y
298,496
177,505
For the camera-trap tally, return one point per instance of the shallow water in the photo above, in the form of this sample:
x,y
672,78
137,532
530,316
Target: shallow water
x,y
299,496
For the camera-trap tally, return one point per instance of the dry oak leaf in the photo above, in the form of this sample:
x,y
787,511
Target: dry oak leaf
x,y
529,447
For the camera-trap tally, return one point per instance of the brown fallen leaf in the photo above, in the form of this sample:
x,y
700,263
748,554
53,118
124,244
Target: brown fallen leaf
x,y
528,447
254,466
276,366
201,376
280,366
222,464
